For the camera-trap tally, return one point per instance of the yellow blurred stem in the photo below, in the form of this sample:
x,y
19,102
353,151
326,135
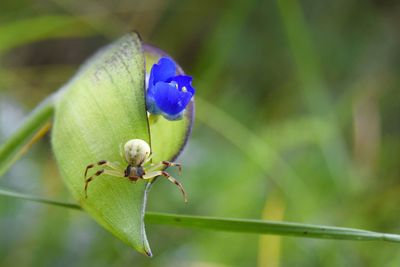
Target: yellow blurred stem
x,y
270,246
34,127
39,135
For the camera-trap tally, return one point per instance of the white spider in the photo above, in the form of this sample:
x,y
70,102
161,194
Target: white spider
x,y
137,154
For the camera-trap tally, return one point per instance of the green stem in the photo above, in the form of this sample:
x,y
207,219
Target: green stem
x,y
240,225
9,193
9,151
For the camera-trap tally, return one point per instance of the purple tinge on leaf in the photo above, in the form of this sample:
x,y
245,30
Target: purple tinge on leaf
x,y
168,94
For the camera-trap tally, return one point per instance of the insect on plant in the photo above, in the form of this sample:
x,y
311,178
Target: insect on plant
x,y
137,154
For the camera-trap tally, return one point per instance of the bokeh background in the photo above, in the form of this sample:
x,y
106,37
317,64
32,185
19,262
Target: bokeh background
x,y
298,107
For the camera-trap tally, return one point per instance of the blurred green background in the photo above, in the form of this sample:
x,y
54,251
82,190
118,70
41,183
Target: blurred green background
x,y
298,106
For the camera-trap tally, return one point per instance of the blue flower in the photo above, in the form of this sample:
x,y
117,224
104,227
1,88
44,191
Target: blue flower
x,y
168,94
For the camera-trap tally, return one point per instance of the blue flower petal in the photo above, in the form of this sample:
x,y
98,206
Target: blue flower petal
x,y
168,94
184,83
169,99
151,106
150,102
163,70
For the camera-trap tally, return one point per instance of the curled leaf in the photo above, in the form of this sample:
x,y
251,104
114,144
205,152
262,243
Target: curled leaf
x,y
100,109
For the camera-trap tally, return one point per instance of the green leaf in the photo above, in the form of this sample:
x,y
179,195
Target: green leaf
x,y
103,107
99,110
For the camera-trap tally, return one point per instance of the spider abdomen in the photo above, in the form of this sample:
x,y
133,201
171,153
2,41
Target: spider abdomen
x,y
136,152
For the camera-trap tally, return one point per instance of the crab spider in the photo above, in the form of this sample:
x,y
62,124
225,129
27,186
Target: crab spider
x,y
137,154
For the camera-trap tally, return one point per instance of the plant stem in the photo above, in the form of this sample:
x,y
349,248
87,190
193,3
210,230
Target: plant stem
x,y
240,225
9,193
12,149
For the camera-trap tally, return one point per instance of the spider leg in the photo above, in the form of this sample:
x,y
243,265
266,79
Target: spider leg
x,y
166,164
121,151
101,163
100,172
148,159
151,175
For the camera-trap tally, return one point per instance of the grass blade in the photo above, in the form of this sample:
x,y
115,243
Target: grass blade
x,y
15,33
239,225
269,227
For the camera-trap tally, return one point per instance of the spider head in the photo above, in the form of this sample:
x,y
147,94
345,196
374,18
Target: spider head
x,y
136,152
